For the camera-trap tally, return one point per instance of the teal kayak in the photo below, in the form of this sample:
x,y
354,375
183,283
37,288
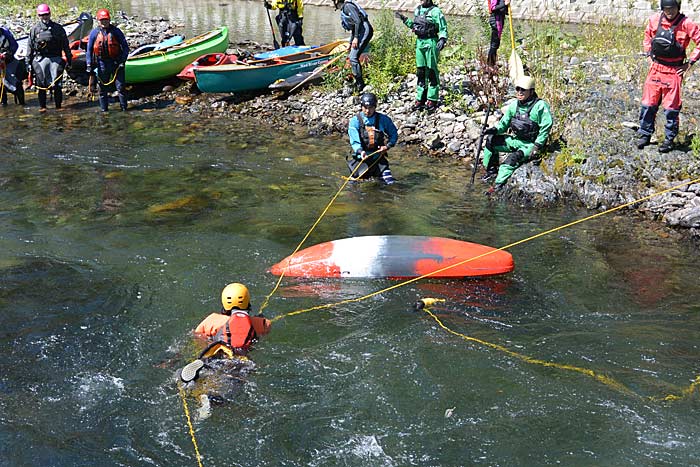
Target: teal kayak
x,y
259,74
169,61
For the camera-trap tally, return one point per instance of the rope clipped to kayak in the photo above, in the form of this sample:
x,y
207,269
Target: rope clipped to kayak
x,y
189,424
323,213
426,303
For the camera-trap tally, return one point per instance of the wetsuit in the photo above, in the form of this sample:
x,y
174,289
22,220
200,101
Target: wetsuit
x,y
663,83
430,27
107,51
368,134
14,70
529,123
290,20
47,42
355,19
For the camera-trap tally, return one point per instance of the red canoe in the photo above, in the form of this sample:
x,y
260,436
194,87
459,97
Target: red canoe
x,y
396,256
187,73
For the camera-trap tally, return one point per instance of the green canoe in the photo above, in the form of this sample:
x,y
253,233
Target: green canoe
x,y
259,74
168,62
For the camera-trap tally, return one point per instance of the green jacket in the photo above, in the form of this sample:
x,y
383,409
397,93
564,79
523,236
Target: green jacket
x,y
539,113
434,15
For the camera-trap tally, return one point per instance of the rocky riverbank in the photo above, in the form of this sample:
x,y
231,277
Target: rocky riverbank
x,y
591,162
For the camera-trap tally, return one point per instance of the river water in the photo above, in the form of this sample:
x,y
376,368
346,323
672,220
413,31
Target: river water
x,y
119,231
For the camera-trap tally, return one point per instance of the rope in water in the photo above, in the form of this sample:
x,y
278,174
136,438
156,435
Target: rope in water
x,y
601,378
323,213
189,424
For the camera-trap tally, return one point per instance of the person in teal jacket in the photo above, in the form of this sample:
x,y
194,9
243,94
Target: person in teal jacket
x,y
528,122
371,135
430,27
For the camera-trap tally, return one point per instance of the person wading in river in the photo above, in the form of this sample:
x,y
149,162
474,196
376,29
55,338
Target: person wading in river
x,y
430,27
667,36
107,51
289,20
47,41
354,18
11,69
528,121
371,135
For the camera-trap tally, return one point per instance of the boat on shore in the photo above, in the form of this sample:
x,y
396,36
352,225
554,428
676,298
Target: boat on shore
x,y
259,74
169,61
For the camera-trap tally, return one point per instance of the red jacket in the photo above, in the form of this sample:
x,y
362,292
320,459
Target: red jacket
x,y
685,32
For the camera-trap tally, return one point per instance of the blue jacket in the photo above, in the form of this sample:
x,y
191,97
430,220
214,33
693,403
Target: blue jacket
x,y
380,121
8,44
118,34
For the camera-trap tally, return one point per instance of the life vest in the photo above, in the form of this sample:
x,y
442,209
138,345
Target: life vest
x,y
346,20
47,41
523,127
665,49
371,137
423,28
238,332
106,46
4,43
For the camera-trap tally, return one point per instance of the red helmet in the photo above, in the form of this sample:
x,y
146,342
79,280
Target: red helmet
x,y
103,14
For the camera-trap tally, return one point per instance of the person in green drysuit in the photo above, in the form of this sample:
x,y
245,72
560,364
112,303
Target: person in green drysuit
x,y
430,27
530,121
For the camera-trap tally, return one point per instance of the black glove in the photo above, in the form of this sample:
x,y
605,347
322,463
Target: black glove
x,y
300,22
400,16
88,70
260,315
268,5
69,65
121,65
491,131
441,43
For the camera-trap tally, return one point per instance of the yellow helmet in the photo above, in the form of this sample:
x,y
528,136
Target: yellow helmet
x,y
235,296
525,82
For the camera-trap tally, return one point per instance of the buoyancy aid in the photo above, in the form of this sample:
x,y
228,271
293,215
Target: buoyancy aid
x,y
106,46
4,43
422,27
238,332
665,49
47,41
523,127
371,137
346,20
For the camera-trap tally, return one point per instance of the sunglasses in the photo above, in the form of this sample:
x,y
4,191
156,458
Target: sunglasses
x,y
45,14
519,89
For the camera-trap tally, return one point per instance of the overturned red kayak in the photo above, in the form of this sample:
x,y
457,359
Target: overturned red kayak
x,y
396,256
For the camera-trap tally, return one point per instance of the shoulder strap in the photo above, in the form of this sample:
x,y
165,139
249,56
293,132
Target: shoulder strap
x,y
361,120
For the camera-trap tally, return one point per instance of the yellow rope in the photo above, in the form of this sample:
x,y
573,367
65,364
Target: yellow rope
x,y
606,380
189,424
112,80
323,213
2,82
50,85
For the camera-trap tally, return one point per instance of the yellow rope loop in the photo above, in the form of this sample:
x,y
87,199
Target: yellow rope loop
x,y
323,213
112,80
51,85
189,424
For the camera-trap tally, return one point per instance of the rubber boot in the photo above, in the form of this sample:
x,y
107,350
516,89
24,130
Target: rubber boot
x,y
58,97
122,102
41,95
104,102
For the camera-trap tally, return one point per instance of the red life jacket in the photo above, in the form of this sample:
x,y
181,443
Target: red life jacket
x,y
238,332
106,46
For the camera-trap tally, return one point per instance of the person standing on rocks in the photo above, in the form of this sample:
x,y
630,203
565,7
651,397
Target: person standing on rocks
x,y
430,27
371,135
667,36
47,42
528,121
355,19
107,51
11,69
289,20
498,9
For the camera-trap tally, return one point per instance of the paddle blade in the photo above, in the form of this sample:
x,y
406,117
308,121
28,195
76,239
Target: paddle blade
x,y
515,66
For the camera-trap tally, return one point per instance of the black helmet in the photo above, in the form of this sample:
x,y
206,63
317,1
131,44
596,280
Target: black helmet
x,y
368,100
670,3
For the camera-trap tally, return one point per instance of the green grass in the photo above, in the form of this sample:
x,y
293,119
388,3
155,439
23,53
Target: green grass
x,y
59,9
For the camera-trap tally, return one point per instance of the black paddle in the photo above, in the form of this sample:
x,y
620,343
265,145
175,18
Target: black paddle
x,y
274,39
477,156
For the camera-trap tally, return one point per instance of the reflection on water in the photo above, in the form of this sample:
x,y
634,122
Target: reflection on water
x,y
118,236
246,19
